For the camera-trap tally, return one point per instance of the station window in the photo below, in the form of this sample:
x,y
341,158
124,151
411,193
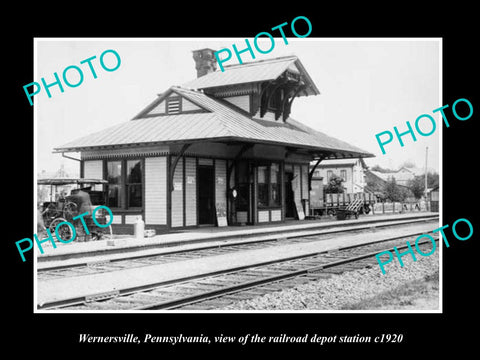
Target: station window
x,y
343,174
269,185
134,183
263,184
124,184
275,184
114,177
329,175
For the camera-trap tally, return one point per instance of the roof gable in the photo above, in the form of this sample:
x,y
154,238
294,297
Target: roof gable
x,y
169,103
254,72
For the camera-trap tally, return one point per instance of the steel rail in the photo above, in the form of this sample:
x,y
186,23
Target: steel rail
x,y
208,295
216,293
380,224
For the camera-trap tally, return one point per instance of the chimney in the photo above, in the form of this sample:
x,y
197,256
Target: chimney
x,y
205,61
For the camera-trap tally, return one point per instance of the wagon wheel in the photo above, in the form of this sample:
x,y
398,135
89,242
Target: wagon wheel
x,y
70,210
64,231
51,211
331,212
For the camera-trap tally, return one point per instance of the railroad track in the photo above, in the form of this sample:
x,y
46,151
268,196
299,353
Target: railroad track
x,y
114,264
211,291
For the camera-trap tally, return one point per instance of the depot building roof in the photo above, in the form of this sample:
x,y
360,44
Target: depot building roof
x,y
194,112
217,121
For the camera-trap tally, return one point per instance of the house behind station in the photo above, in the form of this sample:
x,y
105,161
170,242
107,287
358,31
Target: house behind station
x,y
352,171
403,175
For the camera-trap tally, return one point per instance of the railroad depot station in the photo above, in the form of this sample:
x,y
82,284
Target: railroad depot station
x,y
220,150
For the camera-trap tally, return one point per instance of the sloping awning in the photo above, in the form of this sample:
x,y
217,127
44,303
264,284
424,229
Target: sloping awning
x,y
67,181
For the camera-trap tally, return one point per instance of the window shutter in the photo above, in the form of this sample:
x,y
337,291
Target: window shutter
x,y
173,106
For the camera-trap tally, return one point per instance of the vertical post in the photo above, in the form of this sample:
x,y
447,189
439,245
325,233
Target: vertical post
x,y
228,191
426,157
169,192
282,187
184,195
255,195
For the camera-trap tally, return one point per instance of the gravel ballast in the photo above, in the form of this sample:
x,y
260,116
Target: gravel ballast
x,y
345,291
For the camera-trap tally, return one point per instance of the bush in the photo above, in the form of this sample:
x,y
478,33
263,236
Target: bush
x,y
393,192
334,185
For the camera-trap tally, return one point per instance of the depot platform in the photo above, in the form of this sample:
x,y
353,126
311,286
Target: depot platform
x,y
100,251
151,275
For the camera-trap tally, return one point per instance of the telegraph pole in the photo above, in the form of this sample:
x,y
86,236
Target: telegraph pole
x,y
425,191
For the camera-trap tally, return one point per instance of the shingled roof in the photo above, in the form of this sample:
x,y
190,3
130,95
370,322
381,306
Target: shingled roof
x,y
220,122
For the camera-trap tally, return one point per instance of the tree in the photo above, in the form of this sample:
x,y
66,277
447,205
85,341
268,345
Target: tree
x,y
408,164
393,192
417,184
378,168
334,186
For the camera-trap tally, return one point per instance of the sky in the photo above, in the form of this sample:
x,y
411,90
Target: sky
x,y
366,86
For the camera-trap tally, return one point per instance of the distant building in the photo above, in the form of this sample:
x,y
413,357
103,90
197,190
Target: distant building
x,y
403,175
434,198
352,171
60,173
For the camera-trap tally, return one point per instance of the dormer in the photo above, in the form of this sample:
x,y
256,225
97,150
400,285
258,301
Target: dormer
x,y
265,89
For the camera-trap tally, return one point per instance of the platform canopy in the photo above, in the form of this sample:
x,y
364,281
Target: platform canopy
x,y
68,181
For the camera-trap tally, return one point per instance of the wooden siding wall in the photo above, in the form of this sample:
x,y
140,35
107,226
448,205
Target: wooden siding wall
x,y
156,190
296,183
130,219
177,196
159,109
276,215
93,169
189,106
242,216
305,192
190,191
221,182
242,101
263,216
117,219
